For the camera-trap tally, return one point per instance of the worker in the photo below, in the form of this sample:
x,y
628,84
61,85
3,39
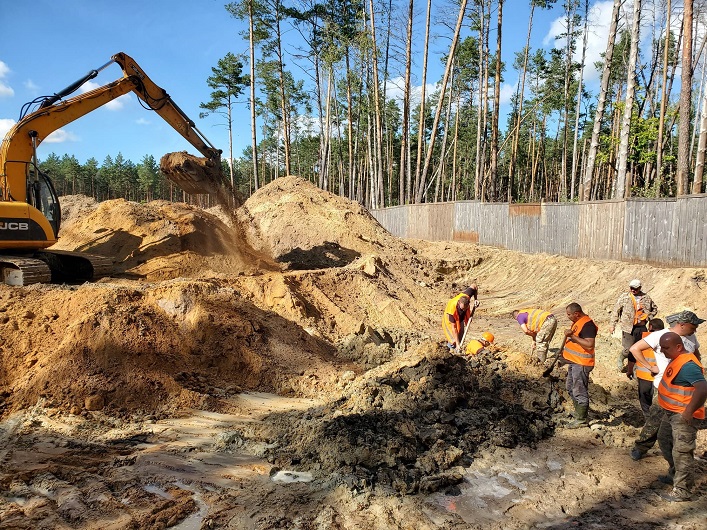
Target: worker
x,y
480,345
632,311
684,324
643,373
681,394
579,355
457,316
539,325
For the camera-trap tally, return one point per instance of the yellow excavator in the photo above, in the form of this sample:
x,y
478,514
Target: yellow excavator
x,y
30,213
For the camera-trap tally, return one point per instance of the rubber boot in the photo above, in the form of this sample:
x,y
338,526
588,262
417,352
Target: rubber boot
x,y
580,418
620,362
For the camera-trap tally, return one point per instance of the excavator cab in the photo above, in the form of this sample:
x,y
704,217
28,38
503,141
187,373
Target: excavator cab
x,y
42,195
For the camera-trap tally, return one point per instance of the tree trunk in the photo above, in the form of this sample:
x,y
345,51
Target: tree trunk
x,y
438,110
482,102
253,135
421,128
377,112
683,168
663,101
404,175
570,7
496,105
599,114
519,102
621,187
578,108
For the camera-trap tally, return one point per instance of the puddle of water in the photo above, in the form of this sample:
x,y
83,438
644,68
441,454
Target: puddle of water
x,y
156,490
287,477
486,494
193,522
20,501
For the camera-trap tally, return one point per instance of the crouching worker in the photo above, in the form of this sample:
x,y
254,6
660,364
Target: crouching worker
x,y
579,354
480,345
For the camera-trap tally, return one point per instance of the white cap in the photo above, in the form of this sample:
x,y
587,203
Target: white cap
x,y
635,284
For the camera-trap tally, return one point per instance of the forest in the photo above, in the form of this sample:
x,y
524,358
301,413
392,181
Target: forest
x,y
320,107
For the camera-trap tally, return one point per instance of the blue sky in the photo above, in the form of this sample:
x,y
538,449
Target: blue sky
x,y
49,44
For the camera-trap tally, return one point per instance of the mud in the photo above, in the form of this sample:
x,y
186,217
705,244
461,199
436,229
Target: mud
x,y
284,368
413,428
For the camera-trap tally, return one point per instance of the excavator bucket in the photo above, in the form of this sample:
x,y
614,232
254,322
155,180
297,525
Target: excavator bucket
x,y
197,175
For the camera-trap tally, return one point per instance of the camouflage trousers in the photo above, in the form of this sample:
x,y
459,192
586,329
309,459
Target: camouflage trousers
x,y
544,336
676,439
649,433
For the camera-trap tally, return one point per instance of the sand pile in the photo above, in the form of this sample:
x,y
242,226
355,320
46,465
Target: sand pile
x,y
308,228
155,350
158,240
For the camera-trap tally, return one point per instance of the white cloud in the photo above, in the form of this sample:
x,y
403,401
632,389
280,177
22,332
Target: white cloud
x,y
116,104
29,85
5,125
5,90
597,37
61,136
507,92
396,85
142,121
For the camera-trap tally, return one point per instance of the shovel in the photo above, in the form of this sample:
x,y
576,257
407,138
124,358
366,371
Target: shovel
x,y
468,325
549,369
459,348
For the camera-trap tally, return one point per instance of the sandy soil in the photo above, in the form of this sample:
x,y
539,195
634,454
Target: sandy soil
x,y
283,368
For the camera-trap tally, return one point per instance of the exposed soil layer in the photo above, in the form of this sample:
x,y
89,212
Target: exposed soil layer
x,y
282,366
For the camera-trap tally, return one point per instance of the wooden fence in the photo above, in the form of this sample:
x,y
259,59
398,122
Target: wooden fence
x,y
658,231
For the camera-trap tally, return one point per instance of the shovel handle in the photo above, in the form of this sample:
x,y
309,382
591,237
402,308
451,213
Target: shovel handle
x,y
549,369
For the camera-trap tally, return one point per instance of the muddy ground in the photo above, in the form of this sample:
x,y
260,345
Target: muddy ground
x,y
283,369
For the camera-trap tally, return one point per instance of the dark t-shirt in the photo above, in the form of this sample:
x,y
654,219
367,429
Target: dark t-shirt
x,y
588,331
688,375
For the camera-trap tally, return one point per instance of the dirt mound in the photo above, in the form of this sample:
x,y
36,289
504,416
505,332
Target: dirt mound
x,y
152,350
408,427
306,227
159,240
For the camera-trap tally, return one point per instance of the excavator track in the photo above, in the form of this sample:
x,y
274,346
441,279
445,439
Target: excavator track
x,y
24,271
54,266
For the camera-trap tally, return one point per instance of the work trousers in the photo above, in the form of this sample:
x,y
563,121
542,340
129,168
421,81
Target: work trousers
x,y
645,394
649,434
544,336
676,439
578,382
629,339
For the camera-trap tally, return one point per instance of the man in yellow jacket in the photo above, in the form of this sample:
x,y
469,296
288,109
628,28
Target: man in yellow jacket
x,y
539,325
480,345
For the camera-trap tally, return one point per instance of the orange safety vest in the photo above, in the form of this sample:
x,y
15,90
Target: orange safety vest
x,y
639,315
641,371
575,353
474,347
536,318
676,398
451,330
